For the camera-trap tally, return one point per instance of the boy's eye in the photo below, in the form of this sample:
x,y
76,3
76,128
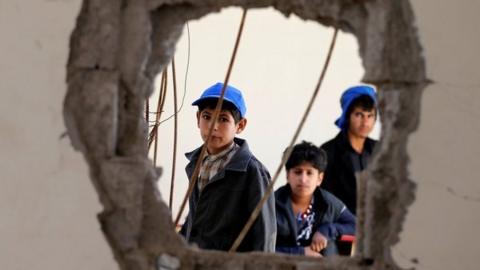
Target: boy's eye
x,y
206,116
297,171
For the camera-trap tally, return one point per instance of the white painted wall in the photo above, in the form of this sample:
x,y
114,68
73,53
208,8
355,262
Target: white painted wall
x,y
441,229
48,206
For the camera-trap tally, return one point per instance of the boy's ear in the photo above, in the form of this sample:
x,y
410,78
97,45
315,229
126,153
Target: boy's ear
x,y
320,178
241,125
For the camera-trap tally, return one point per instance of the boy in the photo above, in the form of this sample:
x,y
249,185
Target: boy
x,y
231,180
309,219
349,152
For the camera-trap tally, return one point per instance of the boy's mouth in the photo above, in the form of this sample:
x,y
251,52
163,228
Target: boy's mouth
x,y
214,138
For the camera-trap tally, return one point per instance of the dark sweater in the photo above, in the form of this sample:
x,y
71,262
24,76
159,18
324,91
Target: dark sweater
x,y
339,176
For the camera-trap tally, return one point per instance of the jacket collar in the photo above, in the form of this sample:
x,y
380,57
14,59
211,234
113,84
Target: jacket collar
x,y
342,137
239,161
283,196
283,203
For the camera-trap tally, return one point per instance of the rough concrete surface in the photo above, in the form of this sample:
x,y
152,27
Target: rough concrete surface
x,y
118,47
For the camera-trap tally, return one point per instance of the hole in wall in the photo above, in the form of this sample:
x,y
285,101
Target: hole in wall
x,y
112,137
277,67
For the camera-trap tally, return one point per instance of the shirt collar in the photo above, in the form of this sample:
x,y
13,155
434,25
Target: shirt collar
x,y
221,154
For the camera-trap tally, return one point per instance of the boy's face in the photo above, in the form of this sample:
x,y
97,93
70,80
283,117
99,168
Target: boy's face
x,y
303,179
361,122
223,132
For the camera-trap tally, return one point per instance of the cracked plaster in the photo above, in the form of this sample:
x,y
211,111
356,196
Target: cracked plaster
x,y
118,47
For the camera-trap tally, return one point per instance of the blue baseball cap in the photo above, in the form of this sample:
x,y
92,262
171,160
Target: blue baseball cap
x,y
232,95
348,97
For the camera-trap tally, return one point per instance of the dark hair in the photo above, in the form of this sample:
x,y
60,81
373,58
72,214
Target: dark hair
x,y
307,152
364,102
211,103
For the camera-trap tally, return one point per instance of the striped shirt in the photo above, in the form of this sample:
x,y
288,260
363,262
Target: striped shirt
x,y
212,164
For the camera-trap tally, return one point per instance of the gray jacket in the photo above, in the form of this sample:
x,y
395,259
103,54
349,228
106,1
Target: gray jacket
x,y
221,210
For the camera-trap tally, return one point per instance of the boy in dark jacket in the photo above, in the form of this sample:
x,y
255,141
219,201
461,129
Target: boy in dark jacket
x,y
349,152
309,219
231,180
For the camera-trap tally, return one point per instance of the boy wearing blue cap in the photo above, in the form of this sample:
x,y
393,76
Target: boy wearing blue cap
x,y
349,152
231,180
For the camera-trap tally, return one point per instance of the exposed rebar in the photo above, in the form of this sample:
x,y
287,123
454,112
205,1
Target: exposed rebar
x,y
175,135
269,191
196,171
161,102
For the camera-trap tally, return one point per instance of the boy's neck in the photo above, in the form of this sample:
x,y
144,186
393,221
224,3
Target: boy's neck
x,y
304,201
356,142
219,151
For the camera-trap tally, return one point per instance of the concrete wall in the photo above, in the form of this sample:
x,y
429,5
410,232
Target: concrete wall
x,y
441,229
48,205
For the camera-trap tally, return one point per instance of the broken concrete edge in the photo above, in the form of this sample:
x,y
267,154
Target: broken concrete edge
x,y
104,119
192,258
386,191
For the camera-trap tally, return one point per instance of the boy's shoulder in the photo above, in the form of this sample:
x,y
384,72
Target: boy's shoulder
x,y
333,142
282,193
254,162
245,160
194,153
330,199
326,194
370,143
